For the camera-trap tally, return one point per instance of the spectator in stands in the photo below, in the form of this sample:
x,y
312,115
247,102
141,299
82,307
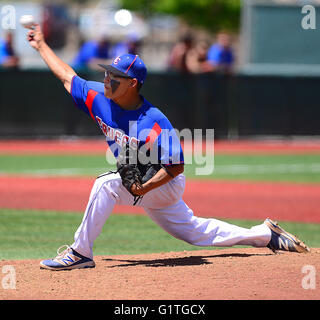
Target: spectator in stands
x,y
196,58
8,57
220,54
130,45
179,53
91,53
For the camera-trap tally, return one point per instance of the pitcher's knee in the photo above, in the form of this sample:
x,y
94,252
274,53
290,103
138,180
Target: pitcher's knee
x,y
194,235
189,237
193,241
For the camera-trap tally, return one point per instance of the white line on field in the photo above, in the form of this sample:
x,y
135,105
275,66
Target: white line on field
x,y
60,171
232,169
267,168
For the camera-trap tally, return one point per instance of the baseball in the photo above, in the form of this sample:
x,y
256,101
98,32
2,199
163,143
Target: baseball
x,y
27,21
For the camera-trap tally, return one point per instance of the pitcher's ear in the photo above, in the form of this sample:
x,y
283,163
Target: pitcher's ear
x,y
133,83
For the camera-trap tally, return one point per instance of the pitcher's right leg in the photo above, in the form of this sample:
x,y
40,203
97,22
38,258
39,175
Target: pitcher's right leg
x,y
179,221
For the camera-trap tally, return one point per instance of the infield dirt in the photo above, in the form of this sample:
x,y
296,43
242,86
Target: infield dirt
x,y
246,274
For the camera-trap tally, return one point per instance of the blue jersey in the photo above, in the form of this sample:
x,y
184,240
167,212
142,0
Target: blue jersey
x,y
147,126
5,51
90,50
218,55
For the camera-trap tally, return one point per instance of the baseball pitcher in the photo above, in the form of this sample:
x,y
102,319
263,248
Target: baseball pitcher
x,y
150,165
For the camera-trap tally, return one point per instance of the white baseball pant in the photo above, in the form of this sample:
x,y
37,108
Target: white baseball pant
x,y
165,207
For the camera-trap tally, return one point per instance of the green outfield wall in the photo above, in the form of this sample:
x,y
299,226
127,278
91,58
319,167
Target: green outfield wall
x,y
35,103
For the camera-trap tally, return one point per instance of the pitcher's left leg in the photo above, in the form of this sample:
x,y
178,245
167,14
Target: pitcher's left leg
x,y
107,191
179,221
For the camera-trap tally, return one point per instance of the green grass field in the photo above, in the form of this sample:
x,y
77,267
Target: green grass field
x,y
31,234
27,234
291,168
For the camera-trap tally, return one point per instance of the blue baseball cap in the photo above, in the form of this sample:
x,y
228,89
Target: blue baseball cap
x,y
128,66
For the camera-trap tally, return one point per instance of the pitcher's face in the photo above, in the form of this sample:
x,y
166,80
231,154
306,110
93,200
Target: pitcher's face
x,y
115,86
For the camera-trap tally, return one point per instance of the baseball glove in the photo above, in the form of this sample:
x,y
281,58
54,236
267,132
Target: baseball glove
x,y
133,172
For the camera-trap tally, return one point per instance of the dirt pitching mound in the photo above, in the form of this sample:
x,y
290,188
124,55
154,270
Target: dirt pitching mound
x,y
246,273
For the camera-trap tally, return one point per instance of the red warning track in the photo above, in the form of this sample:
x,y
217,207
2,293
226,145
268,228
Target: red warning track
x,y
99,147
241,200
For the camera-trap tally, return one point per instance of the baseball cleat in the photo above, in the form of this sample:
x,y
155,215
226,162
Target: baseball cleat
x,y
67,260
283,240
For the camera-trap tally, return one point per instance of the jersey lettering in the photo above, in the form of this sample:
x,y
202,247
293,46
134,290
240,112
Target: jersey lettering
x,y
119,137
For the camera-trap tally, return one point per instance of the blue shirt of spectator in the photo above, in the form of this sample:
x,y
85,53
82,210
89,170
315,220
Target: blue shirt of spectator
x,y
91,50
5,51
219,55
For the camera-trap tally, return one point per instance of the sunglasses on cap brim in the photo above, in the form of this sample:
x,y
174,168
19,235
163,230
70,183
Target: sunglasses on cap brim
x,y
108,73
114,71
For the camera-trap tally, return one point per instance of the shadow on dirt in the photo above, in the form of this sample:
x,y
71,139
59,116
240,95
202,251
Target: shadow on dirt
x,y
174,262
